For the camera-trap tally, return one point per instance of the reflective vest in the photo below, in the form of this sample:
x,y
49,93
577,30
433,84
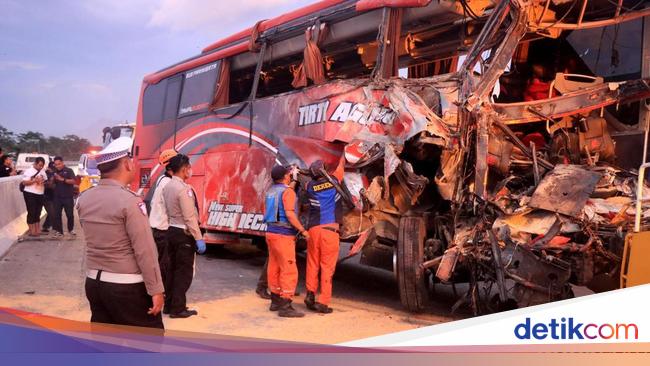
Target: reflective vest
x,y
324,203
274,215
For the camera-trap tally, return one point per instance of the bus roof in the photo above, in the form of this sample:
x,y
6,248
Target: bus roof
x,y
238,42
274,22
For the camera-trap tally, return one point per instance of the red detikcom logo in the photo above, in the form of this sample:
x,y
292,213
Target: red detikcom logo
x,y
568,328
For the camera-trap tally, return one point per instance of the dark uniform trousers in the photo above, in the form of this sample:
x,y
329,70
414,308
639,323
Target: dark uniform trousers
x,y
48,204
263,281
123,304
66,204
160,237
179,273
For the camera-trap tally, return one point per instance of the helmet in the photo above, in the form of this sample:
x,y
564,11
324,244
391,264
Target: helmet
x,y
164,157
316,168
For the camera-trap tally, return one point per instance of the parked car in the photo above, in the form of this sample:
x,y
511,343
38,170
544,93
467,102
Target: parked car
x,y
88,174
26,160
87,165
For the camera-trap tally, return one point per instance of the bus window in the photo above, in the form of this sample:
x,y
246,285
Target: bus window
x,y
612,52
275,79
586,56
171,98
342,58
198,88
241,83
153,102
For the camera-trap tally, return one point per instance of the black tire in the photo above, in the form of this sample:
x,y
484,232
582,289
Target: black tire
x,y
411,278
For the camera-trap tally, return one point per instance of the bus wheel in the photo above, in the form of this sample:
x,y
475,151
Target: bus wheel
x,y
411,278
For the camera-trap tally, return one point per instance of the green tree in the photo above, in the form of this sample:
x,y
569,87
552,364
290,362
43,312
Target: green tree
x,y
31,141
73,146
55,146
69,146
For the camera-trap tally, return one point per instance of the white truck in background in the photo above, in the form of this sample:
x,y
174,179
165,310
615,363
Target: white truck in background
x,y
26,160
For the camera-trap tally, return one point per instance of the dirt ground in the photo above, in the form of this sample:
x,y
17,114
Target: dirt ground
x,y
47,277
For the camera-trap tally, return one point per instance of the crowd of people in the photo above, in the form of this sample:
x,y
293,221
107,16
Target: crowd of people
x,y
44,185
140,263
50,187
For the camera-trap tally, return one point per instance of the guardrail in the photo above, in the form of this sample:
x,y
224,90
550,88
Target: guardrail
x,y
12,214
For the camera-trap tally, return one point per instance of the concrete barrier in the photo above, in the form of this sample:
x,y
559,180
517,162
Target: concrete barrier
x,y
13,220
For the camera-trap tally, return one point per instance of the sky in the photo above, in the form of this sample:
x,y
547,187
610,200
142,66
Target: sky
x,y
74,66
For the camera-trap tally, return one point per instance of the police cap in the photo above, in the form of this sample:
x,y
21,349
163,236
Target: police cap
x,y
117,149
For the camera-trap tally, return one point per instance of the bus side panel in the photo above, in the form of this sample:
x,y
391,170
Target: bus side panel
x,y
232,163
293,128
235,184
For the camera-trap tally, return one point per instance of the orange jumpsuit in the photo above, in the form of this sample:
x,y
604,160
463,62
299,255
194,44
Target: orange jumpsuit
x,y
323,252
282,270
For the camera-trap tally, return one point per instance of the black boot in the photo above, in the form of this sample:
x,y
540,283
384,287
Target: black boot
x,y
184,314
263,292
287,311
275,302
322,308
310,300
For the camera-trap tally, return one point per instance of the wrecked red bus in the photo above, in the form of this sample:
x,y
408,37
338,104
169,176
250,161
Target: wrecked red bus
x,y
458,121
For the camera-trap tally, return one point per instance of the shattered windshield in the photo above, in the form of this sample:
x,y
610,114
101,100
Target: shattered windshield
x,y
613,52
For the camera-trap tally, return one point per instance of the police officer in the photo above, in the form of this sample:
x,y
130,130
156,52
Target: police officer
x,y
123,283
158,214
183,236
325,211
280,208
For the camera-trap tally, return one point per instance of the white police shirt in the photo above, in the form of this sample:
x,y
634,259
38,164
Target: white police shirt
x,y
158,216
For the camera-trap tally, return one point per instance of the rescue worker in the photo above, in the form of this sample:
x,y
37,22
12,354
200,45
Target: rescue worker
x,y
123,283
184,237
282,227
325,211
158,219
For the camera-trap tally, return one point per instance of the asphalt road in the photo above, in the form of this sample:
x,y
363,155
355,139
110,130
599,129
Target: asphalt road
x,y
47,277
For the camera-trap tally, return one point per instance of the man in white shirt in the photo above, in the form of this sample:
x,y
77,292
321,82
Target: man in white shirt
x,y
158,219
33,182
